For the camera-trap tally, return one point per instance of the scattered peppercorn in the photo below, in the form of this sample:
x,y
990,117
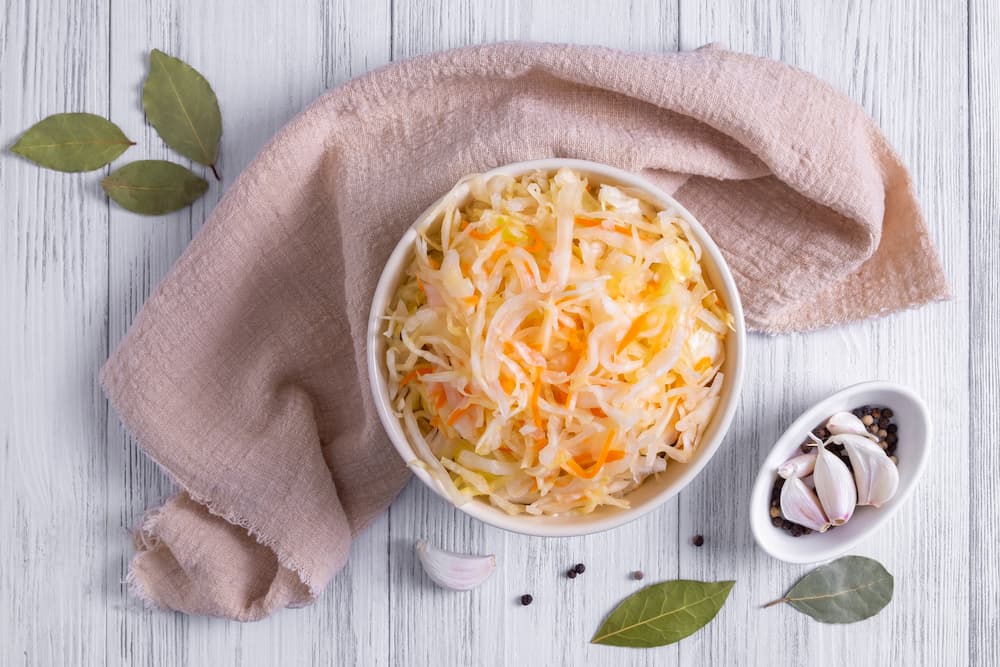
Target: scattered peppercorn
x,y
876,414
775,511
698,540
776,521
638,575
526,599
571,574
887,413
891,428
579,568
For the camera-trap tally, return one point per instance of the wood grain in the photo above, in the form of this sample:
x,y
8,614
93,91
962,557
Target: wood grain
x,y
75,271
984,314
53,337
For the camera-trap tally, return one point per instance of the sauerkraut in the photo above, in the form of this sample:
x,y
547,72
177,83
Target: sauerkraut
x,y
554,342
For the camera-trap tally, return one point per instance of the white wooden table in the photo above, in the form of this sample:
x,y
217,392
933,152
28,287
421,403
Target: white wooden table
x,y
74,271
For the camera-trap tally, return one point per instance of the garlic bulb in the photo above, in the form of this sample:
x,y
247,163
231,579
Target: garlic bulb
x,y
800,505
845,422
798,466
835,487
875,474
459,572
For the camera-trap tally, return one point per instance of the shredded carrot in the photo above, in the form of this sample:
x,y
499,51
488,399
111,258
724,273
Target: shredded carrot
x,y
508,383
569,397
462,224
476,234
703,364
441,400
420,284
538,244
597,412
471,300
573,468
433,263
458,412
409,377
535,391
614,455
587,222
638,324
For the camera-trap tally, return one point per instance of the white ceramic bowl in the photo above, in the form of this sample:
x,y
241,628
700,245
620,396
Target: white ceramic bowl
x,y
654,491
911,416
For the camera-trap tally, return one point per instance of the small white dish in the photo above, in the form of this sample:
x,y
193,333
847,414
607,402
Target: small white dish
x,y
913,420
655,490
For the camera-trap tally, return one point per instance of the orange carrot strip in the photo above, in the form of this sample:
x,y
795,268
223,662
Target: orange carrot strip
x,y
614,455
476,234
597,412
409,377
638,324
457,413
535,391
538,244
586,222
703,364
573,468
471,300
441,400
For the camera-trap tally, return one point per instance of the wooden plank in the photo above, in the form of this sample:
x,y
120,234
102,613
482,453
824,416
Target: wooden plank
x,y
488,626
984,319
885,56
265,65
53,288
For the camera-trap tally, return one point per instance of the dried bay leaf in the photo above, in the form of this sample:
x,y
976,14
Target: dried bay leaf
x,y
663,613
72,142
847,590
182,107
154,187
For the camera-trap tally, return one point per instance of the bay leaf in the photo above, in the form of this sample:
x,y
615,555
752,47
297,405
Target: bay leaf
x,y
847,590
663,613
182,107
72,142
154,187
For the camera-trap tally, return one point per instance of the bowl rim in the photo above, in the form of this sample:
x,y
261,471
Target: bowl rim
x,y
796,431
523,524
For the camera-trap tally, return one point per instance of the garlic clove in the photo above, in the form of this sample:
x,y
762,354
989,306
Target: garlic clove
x,y
800,504
845,422
459,572
875,474
798,466
834,487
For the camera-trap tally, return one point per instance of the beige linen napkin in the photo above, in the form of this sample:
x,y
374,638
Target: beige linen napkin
x,y
244,374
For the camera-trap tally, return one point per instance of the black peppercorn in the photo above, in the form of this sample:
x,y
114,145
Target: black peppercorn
x,y
776,521
579,568
698,540
638,575
526,599
877,414
887,413
571,574
891,428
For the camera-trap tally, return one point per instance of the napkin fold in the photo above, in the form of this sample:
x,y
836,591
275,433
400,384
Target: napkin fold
x,y
244,374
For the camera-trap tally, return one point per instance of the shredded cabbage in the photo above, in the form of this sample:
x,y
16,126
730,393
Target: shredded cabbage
x,y
554,343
